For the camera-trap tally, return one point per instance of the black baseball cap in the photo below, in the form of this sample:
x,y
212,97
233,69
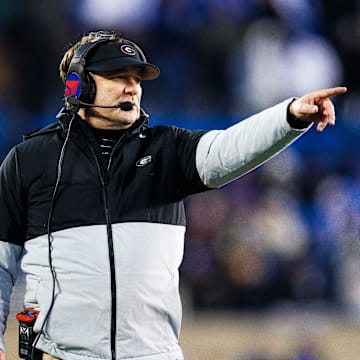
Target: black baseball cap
x,y
112,56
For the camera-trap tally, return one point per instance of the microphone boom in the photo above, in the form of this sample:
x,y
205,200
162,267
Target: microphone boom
x,y
124,106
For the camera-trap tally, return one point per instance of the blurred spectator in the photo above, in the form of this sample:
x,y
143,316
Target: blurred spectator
x,y
134,15
199,268
300,15
12,115
9,79
272,62
337,206
260,248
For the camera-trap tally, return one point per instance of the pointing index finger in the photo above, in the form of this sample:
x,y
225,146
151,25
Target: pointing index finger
x,y
324,93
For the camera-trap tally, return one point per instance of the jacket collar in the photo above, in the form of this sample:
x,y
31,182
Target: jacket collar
x,y
64,117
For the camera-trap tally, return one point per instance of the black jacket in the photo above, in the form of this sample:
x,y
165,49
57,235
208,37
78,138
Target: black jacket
x,y
151,170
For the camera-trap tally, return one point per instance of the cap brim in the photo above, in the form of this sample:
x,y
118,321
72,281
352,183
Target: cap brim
x,y
150,71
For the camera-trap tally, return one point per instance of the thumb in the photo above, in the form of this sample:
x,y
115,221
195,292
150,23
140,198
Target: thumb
x,y
300,109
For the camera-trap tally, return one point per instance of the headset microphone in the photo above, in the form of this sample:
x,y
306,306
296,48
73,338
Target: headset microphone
x,y
75,103
126,106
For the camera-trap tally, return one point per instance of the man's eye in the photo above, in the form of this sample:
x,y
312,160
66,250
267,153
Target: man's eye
x,y
125,77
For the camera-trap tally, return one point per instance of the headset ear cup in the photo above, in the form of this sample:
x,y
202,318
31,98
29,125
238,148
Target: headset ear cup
x,y
91,89
86,91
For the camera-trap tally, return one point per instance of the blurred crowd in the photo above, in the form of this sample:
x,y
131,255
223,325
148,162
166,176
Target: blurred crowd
x,y
287,233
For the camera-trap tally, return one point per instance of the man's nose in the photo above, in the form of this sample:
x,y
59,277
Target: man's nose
x,y
132,86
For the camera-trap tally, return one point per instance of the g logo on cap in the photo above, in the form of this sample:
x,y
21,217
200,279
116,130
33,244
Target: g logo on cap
x,y
127,50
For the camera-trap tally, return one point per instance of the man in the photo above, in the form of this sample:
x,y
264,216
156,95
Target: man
x,y
94,204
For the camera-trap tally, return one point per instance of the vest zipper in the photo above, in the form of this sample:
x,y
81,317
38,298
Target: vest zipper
x,y
104,182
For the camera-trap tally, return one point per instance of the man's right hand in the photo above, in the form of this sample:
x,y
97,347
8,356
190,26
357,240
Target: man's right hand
x,y
2,355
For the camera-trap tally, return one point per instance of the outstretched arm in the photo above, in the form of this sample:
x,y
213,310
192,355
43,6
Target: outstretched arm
x,y
316,107
225,155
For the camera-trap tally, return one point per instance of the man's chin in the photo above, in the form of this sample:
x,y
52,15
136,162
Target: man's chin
x,y
127,121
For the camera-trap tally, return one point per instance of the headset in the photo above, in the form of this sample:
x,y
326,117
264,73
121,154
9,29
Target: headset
x,y
79,84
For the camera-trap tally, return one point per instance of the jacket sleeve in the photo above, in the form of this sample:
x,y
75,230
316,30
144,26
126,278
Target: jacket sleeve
x,y
9,256
12,200
11,232
225,155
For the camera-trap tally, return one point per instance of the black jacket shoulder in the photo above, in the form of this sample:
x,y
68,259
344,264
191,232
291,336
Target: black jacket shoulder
x,y
51,128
